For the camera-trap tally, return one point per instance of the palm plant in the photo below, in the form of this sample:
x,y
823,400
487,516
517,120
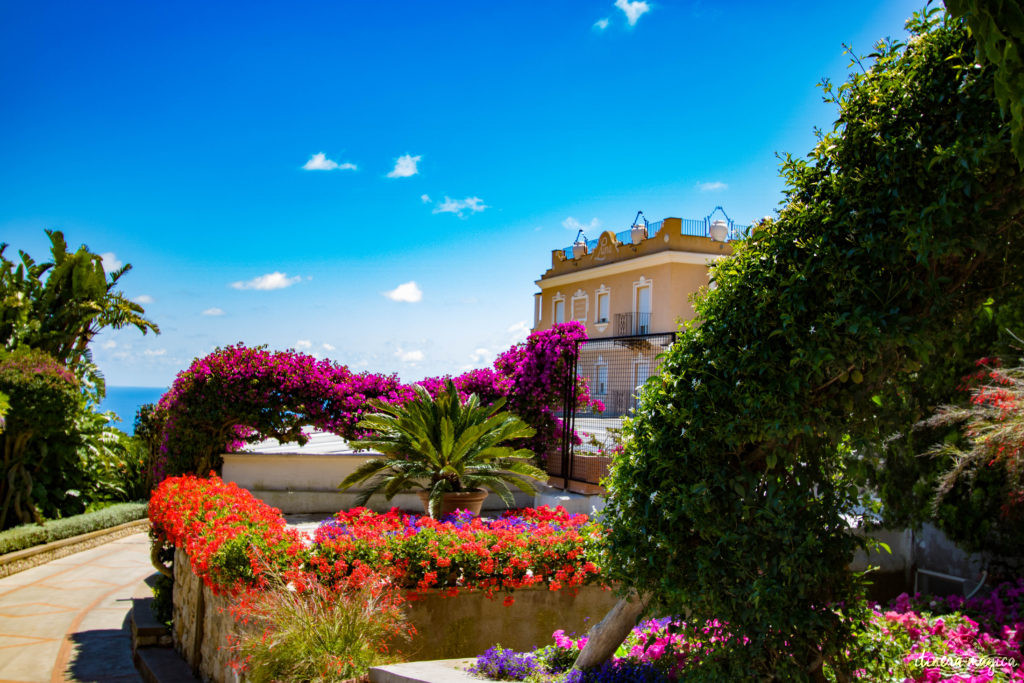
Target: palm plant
x,y
443,445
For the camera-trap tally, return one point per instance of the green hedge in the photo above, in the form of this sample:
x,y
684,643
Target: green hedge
x,y
28,535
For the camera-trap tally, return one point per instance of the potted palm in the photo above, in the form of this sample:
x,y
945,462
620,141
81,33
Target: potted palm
x,y
450,449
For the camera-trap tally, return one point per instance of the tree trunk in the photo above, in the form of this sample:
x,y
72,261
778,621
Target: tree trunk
x,y
606,636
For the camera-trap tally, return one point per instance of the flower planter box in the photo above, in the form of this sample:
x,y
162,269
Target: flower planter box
x,y
461,626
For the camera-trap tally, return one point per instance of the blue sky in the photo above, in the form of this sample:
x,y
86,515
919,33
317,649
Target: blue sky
x,y
461,142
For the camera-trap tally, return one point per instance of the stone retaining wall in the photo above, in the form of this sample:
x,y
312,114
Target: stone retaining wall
x,y
201,624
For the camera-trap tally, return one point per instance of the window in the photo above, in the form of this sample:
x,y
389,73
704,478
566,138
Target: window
x,y
602,380
602,306
643,309
560,311
579,307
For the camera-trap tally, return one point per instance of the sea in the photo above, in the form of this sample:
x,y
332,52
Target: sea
x,y
125,401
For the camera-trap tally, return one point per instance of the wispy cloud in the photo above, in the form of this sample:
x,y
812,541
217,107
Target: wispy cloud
x,y
269,281
110,261
213,311
152,353
481,356
519,331
320,162
715,186
408,292
633,10
458,206
414,356
143,299
425,198
405,166
327,347
110,344
601,24
303,344
571,223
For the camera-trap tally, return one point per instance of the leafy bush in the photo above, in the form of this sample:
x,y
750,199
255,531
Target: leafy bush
x,y
316,634
44,401
28,535
443,444
731,497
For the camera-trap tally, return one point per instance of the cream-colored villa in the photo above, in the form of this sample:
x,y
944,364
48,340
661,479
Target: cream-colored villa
x,y
636,282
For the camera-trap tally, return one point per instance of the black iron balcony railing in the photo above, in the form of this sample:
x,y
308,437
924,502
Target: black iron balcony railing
x,y
632,323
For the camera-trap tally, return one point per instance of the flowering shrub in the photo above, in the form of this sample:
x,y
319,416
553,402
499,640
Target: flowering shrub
x,y
980,498
238,394
461,552
234,542
232,538
895,645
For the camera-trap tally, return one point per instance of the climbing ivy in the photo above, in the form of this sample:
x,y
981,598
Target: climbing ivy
x,y
733,497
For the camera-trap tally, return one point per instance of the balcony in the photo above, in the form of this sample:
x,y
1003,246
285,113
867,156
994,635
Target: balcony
x,y
629,324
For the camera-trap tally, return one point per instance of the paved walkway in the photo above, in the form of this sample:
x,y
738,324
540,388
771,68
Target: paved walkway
x,y
68,620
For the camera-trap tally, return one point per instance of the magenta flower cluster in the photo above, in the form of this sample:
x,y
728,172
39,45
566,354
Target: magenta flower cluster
x,y
239,395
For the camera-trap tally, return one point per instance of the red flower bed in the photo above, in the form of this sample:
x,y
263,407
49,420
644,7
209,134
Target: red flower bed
x,y
524,548
233,540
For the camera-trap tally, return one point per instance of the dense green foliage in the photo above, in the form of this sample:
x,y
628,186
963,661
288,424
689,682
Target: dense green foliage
x,y
76,456
998,29
45,399
442,445
28,535
731,499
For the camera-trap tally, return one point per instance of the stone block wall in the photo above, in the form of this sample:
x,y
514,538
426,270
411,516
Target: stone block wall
x,y
201,624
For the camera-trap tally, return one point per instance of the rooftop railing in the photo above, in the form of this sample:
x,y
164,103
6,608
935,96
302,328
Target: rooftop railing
x,y
693,227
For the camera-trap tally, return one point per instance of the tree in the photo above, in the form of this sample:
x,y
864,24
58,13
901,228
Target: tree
x,y
60,306
731,500
998,30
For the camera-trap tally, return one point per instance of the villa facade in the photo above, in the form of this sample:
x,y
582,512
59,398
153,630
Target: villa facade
x,y
631,290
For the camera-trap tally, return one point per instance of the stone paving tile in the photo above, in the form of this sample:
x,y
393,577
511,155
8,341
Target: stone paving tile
x,y
67,619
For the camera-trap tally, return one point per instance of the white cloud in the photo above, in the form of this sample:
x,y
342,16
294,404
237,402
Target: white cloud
x,y
481,356
110,261
214,311
143,299
425,198
519,331
414,356
408,292
714,186
571,223
405,166
633,10
109,344
328,347
155,352
457,206
601,24
320,162
303,344
269,281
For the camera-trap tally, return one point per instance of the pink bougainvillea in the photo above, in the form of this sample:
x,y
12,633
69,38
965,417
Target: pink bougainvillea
x,y
239,394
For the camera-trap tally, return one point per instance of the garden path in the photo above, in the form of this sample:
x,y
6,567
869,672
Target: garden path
x,y
68,620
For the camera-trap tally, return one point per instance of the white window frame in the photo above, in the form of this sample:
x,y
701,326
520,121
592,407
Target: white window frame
x,y
555,301
637,286
606,294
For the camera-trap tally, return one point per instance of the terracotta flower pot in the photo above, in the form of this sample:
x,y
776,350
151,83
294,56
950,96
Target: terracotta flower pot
x,y
461,500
